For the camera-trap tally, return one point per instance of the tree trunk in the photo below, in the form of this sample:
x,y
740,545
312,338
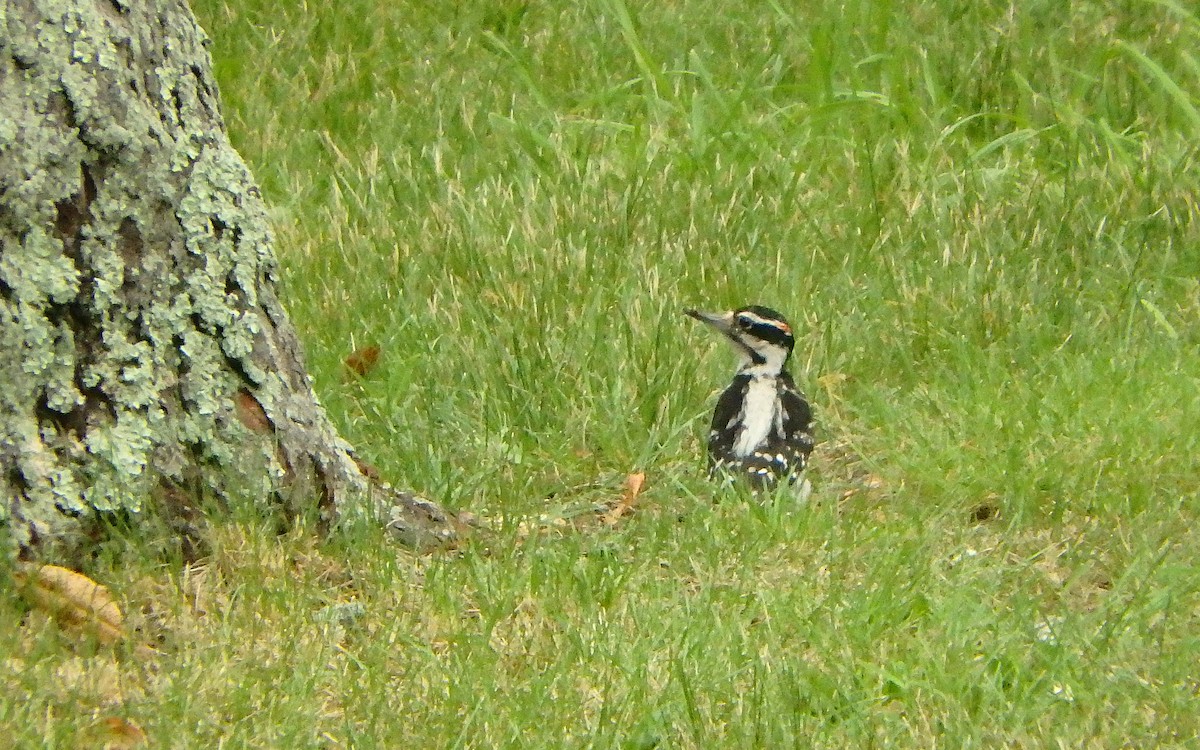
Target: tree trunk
x,y
147,362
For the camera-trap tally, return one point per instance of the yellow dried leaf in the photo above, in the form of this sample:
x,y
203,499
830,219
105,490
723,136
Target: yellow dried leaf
x,y
624,506
74,600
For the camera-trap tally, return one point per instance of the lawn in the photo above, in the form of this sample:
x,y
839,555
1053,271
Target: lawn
x,y
983,220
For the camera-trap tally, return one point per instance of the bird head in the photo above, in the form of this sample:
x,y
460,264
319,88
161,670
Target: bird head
x,y
760,335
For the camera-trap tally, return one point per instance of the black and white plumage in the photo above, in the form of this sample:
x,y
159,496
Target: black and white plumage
x,y
762,426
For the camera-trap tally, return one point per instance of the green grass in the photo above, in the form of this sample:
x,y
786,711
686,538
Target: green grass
x,y
982,219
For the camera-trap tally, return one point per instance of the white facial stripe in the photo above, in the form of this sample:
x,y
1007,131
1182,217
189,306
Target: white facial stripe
x,y
759,320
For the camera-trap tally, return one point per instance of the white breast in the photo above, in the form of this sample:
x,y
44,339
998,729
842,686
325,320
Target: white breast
x,y
758,418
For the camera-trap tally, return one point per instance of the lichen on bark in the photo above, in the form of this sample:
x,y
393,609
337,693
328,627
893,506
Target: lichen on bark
x,y
145,353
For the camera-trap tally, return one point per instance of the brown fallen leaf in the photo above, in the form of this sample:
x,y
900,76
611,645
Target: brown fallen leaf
x,y
115,733
74,600
624,506
362,361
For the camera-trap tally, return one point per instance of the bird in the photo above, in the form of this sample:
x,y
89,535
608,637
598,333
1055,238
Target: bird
x,y
762,426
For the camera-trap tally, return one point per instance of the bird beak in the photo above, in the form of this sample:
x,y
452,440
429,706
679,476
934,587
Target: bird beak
x,y
723,322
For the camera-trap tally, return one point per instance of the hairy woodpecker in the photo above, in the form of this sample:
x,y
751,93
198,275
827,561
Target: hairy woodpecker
x,y
761,428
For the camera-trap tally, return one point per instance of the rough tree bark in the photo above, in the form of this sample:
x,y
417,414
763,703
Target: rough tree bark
x,y
145,361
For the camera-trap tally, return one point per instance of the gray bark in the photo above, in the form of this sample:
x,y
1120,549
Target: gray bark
x,y
145,361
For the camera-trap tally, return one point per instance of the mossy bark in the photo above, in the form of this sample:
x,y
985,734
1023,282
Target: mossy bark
x,y
146,361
